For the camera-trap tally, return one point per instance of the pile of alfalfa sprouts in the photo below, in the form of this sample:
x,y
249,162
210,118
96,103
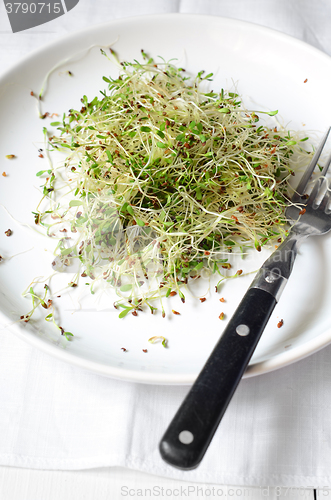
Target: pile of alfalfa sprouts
x,y
163,179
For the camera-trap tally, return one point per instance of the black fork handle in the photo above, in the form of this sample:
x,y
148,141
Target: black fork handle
x,y
192,428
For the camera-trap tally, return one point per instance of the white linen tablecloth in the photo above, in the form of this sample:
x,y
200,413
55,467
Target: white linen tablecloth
x,y
277,429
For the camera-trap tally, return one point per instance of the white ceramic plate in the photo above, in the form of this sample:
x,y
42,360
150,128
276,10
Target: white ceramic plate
x,y
267,67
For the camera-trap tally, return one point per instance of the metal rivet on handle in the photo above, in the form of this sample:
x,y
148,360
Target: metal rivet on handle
x,y
242,330
185,437
271,278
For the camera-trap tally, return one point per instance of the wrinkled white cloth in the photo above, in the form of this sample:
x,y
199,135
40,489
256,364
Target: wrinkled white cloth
x,y
277,429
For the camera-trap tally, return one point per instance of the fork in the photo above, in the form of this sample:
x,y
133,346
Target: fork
x,y
189,434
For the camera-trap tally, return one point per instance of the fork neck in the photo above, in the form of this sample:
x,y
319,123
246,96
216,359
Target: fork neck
x,y
282,259
274,273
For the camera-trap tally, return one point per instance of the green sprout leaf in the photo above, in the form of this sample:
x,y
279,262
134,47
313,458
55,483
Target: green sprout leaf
x,y
123,313
75,203
158,338
145,129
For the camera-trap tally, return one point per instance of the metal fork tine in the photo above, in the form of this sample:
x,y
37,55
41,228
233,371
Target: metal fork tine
x,y
315,190
327,197
319,181
326,166
306,176
325,201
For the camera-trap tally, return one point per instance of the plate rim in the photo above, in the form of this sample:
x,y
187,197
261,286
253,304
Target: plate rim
x,y
278,361
132,19
137,376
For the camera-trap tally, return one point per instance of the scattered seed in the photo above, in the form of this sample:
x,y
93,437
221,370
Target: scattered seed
x,y
10,157
4,174
134,313
239,272
221,316
222,300
203,299
172,294
123,349
175,312
303,211
280,323
9,232
144,350
306,80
